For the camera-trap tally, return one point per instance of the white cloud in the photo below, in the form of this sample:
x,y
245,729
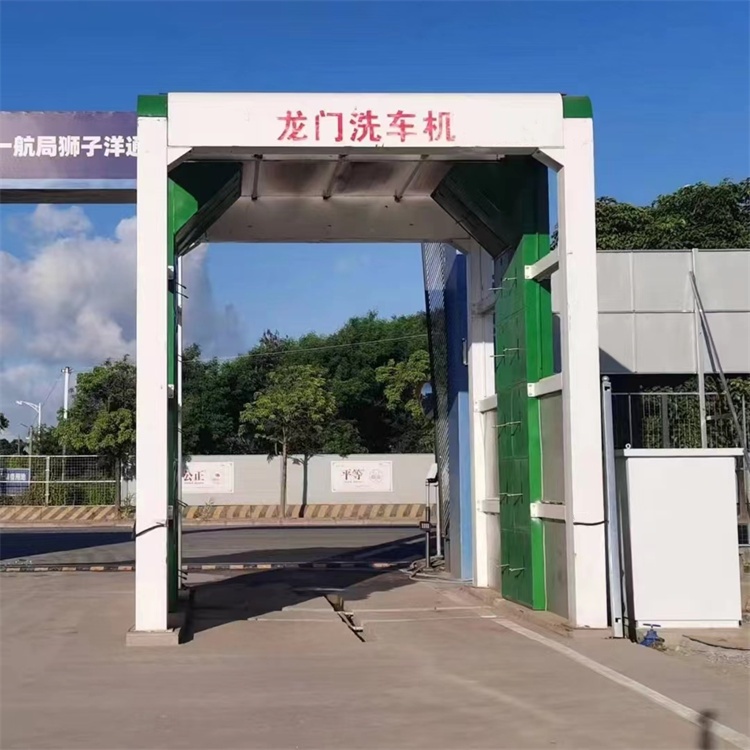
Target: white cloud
x,y
50,221
71,301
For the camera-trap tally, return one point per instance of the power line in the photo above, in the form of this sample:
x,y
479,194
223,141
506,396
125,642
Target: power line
x,y
51,390
304,350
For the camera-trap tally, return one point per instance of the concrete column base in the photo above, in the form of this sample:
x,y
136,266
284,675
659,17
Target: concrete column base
x,y
153,637
172,636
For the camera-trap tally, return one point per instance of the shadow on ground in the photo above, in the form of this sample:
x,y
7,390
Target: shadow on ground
x,y
249,596
117,547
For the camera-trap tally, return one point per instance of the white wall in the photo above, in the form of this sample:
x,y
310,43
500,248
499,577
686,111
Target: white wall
x,y
257,481
646,309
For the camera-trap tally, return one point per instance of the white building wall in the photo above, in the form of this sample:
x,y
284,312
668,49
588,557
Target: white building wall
x,y
647,314
255,480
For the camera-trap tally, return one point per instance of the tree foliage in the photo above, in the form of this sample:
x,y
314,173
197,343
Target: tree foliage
x,y
215,393
293,414
102,418
3,422
695,216
402,383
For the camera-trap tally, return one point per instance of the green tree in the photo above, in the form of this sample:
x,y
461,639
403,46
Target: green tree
x,y
700,216
402,383
292,415
695,216
12,447
46,441
207,423
101,420
4,423
351,356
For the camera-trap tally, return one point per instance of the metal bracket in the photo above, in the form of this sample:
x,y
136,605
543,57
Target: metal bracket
x,y
507,424
505,351
170,391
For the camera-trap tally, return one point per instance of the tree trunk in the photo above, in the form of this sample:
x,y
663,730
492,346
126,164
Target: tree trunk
x,y
282,497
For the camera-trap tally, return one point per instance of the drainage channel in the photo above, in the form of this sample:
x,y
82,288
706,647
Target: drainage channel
x,y
339,607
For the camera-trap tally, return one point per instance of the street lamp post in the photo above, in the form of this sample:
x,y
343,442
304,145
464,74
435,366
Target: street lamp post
x,y
37,408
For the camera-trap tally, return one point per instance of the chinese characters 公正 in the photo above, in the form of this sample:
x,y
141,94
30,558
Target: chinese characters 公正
x,y
365,126
67,146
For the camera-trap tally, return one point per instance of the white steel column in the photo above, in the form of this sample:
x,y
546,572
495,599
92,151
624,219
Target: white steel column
x,y
481,385
584,496
151,354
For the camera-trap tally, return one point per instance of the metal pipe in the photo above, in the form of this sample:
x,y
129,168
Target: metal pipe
x,y
399,194
614,559
438,525
713,353
256,177
698,335
335,172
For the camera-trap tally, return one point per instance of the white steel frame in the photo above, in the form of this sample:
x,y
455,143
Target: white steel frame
x,y
567,148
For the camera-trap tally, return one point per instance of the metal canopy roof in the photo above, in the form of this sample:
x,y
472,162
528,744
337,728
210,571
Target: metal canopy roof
x,y
338,199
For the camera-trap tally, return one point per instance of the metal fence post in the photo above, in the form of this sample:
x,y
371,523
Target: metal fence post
x,y
46,480
614,564
745,462
438,525
665,441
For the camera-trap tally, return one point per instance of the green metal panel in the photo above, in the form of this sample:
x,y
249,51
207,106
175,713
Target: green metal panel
x,y
203,191
152,105
180,208
578,107
198,194
504,206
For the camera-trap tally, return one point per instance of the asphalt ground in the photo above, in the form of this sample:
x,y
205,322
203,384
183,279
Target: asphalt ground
x,y
220,546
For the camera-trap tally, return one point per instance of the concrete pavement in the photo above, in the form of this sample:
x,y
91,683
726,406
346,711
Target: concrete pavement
x,y
215,545
270,664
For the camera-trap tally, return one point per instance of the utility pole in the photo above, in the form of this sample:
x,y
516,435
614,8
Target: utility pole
x,y
66,396
66,390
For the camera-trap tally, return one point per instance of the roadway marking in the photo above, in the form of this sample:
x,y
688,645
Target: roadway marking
x,y
722,731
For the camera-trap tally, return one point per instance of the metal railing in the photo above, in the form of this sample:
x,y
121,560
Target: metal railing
x,y
58,480
673,420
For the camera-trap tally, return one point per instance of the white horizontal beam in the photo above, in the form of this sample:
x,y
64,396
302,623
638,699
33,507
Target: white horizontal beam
x,y
487,404
543,268
551,511
545,386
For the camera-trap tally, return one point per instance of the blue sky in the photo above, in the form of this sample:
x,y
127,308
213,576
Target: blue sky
x,y
670,84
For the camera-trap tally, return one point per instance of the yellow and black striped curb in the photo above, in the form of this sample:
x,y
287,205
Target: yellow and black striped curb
x,y
84,515
204,568
385,512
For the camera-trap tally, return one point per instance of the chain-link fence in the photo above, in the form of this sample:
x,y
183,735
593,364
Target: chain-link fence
x,y
434,260
673,420
58,480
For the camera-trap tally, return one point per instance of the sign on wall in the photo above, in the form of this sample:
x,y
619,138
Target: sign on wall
x,y
68,145
361,476
14,481
216,478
